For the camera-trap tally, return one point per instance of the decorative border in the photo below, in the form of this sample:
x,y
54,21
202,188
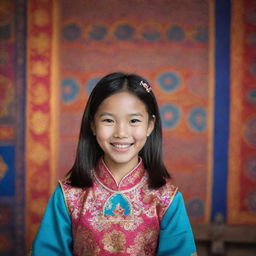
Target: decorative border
x,y
41,122
20,131
236,215
209,180
221,111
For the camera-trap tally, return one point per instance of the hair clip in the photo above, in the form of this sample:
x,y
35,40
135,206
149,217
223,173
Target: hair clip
x,y
146,86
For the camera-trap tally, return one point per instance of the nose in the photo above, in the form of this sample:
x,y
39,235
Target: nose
x,y
121,131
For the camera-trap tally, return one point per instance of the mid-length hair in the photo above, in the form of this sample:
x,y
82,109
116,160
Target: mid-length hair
x,y
88,149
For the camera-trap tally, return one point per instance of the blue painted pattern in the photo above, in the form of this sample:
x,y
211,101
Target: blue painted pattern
x,y
69,90
98,32
169,81
175,33
124,32
170,115
71,32
197,119
118,205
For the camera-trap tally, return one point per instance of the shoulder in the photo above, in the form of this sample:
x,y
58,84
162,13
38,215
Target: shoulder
x,y
73,196
67,188
165,195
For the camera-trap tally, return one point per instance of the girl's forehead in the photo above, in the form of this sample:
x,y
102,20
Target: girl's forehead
x,y
122,101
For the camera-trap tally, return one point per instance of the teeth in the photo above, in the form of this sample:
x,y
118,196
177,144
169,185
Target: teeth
x,y
121,145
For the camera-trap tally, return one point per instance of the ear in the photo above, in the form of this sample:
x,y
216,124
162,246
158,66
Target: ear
x,y
151,125
93,128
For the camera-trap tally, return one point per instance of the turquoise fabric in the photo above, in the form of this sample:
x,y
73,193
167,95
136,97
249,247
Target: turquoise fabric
x,y
176,237
54,236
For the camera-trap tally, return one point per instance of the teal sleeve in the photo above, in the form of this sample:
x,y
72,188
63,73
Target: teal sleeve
x,y
176,236
54,235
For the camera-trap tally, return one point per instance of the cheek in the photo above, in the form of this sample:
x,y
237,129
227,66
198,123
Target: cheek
x,y
103,133
140,133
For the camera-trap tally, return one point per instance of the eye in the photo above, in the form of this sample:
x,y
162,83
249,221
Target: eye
x,y
107,120
135,121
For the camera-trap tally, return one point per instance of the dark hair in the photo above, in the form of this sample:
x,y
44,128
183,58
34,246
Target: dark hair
x,y
88,150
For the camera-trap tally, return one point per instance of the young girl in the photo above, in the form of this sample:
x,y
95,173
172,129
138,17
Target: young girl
x,y
117,198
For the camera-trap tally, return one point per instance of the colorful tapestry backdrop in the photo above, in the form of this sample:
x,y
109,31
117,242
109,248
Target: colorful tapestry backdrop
x,y
12,92
93,41
242,152
70,45
175,58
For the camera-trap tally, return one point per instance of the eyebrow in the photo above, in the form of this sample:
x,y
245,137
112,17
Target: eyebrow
x,y
110,114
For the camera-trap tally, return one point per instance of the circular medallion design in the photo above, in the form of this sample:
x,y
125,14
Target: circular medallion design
x,y
91,84
197,119
150,32
175,33
97,32
124,32
169,81
251,97
250,201
250,167
69,90
71,32
201,34
195,208
251,16
250,132
170,115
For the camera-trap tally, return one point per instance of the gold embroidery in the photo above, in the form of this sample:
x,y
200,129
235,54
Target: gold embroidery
x,y
144,243
114,241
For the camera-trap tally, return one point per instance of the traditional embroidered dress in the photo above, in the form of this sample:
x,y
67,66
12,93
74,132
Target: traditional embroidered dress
x,y
115,219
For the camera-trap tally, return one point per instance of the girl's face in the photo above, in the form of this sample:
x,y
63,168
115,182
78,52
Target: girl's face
x,y
121,126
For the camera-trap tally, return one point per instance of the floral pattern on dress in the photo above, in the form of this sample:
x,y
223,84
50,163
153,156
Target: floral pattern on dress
x,y
81,248
106,177
145,243
114,241
107,219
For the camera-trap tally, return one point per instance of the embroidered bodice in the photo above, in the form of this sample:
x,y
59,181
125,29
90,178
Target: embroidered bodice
x,y
117,219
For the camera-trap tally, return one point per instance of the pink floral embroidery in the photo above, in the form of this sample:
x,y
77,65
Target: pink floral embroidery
x,y
125,228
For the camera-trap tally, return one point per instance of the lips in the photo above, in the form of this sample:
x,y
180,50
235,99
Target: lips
x,y
121,147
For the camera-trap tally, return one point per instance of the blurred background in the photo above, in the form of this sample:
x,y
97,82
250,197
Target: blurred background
x,y
200,58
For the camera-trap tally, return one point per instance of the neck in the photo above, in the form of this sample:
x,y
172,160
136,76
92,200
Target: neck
x,y
120,170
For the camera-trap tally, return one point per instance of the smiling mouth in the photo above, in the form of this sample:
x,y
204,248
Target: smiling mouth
x,y
121,146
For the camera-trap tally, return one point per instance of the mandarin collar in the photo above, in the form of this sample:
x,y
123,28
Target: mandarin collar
x,y
131,179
